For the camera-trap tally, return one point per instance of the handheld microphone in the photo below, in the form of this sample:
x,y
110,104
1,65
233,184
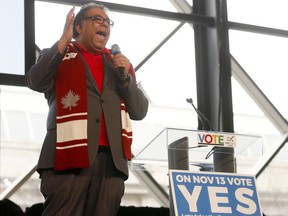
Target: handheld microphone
x,y
115,49
204,121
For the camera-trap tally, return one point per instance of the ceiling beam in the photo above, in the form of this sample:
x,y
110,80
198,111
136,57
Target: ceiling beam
x,y
258,29
259,97
181,17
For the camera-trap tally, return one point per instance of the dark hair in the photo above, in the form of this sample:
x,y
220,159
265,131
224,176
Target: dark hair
x,y
83,13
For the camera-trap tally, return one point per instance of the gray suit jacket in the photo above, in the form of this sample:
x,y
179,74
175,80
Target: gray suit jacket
x,y
41,78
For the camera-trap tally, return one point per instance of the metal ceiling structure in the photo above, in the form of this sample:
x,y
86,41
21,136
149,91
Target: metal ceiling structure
x,y
211,26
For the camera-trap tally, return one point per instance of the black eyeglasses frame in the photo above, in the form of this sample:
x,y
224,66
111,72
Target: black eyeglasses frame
x,y
100,20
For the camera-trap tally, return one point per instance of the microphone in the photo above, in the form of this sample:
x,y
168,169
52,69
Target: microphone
x,y
115,49
204,121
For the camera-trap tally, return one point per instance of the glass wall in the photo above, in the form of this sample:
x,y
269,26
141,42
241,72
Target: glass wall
x,y
167,78
23,127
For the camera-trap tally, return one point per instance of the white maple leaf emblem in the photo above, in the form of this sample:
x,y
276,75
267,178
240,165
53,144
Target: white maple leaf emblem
x,y
70,100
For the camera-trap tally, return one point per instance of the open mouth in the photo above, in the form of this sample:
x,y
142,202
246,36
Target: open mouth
x,y
101,33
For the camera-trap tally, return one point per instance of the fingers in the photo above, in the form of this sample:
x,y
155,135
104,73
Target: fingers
x,y
121,61
70,16
67,31
69,22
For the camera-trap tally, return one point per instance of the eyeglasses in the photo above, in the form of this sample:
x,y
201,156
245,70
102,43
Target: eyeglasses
x,y
100,20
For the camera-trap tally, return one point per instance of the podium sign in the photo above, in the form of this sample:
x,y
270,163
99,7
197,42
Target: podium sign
x,y
216,139
213,194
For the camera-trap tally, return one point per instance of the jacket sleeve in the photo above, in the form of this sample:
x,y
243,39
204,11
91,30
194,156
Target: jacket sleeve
x,y
40,77
135,101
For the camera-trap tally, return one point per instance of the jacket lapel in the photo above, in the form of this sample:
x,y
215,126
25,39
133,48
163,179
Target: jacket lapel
x,y
90,78
108,67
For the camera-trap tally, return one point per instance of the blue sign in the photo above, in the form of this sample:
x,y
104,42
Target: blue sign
x,y
213,194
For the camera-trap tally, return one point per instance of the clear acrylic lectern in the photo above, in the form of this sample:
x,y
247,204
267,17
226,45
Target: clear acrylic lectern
x,y
185,149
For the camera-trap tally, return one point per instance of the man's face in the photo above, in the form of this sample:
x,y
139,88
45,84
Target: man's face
x,y
93,35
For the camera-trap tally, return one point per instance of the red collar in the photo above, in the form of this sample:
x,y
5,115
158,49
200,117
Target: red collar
x,y
82,49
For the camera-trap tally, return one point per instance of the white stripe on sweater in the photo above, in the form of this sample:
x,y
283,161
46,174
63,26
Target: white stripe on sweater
x,y
124,134
72,130
71,146
71,115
